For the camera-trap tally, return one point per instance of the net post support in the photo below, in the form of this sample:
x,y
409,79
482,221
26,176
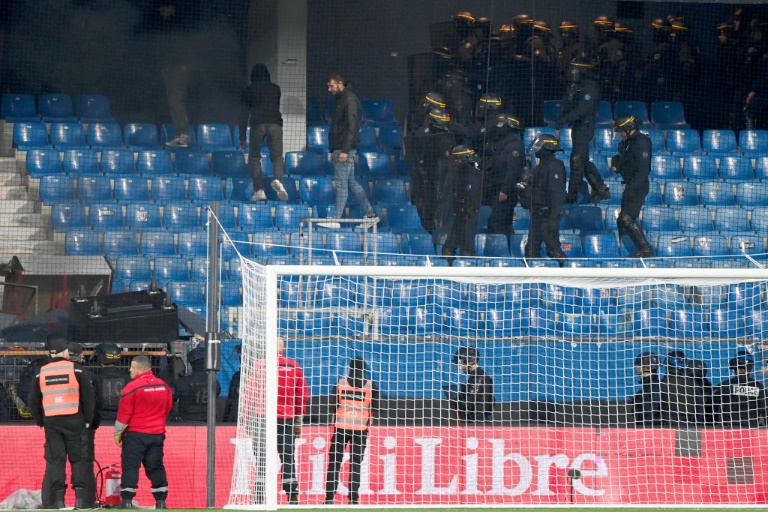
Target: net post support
x,y
212,347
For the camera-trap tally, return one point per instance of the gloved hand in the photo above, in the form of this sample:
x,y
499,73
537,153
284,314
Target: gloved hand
x,y
297,426
616,163
559,124
543,211
119,440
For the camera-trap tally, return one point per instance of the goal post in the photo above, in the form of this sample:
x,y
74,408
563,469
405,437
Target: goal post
x,y
573,418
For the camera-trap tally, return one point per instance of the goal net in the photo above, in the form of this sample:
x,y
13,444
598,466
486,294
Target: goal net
x,y
609,386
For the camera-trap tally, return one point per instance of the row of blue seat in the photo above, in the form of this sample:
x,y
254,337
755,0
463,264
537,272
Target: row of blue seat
x,y
373,110
665,115
55,108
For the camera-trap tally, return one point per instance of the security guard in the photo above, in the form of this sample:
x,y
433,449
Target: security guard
x,y
475,401
579,108
110,379
634,164
740,401
191,391
542,192
62,402
356,397
646,404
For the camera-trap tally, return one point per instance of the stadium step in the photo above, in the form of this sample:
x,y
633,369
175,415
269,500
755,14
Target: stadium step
x,y
11,178
12,234
18,192
15,206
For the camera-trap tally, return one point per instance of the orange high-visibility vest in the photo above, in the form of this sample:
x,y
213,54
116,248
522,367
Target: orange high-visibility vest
x,y
60,389
354,409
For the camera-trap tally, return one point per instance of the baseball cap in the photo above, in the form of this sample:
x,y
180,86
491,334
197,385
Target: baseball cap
x,y
75,349
56,344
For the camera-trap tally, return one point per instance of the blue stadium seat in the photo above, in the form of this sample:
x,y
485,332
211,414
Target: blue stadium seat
x,y
673,245
418,243
180,215
683,141
368,140
736,168
717,193
19,108
752,193
695,219
317,138
314,111
41,162
269,243
316,191
118,162
390,137
492,245
586,219
570,243
56,108
700,167
93,108
390,191
607,141
531,133
81,162
139,136
55,188
238,189
94,188
255,216
377,109
746,295
193,243
230,294
668,167
67,136
119,243
131,188
228,164
105,216
719,141
680,192
203,190
186,293
30,135
668,115
288,216
143,216
67,216
659,218
157,243
710,245
601,245
747,244
753,142
167,189
171,269
658,143
404,219
375,164
551,111
192,162
82,242
604,116
638,109
343,241
104,135
214,137
727,324
651,323
154,162
302,163
382,243
227,214
731,218
133,268
290,187
235,241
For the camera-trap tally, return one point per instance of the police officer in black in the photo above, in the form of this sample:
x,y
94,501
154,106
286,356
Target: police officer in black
x,y
191,391
740,402
76,355
633,163
474,400
579,107
609,56
660,68
645,405
505,167
573,48
459,197
110,379
542,192
683,400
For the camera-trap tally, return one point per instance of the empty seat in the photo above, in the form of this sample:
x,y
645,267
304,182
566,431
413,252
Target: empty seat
x,y
377,109
19,108
694,219
81,162
731,218
269,243
93,108
659,218
228,164
94,188
82,242
316,191
133,268
143,216
157,243
390,191
667,167
203,190
105,135
30,135
551,111
683,140
383,243
753,142
418,243
138,136
56,108
67,135
317,138
54,188
751,193
492,245
607,141
214,136
192,162
604,116
701,167
154,162
601,245
193,243
288,216
117,162
658,144
586,219
736,167
719,141
375,164
673,245
186,293
43,161
404,219
668,115
171,269
570,243
118,243
180,215
303,163
638,109
255,216
368,140
680,192
717,193
166,189
747,244
343,241
710,245
390,137
68,216
105,216
131,188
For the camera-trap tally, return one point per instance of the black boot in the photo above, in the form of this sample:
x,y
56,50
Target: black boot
x,y
58,499
601,193
635,233
81,501
126,503
160,504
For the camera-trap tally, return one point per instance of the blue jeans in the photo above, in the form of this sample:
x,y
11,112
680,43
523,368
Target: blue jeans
x,y
344,178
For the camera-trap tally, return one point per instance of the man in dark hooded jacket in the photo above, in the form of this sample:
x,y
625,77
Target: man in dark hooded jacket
x,y
261,103
353,400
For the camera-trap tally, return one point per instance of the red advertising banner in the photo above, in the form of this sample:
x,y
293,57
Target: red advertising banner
x,y
457,465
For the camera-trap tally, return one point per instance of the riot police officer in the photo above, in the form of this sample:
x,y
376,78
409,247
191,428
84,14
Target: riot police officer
x,y
420,116
542,192
646,404
610,58
634,164
505,168
191,391
573,48
579,107
474,401
110,378
660,68
460,195
740,401
682,399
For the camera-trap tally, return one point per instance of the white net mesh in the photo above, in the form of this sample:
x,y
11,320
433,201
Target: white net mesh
x,y
616,390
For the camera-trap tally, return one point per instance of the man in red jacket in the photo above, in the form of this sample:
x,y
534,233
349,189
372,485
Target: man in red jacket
x,y
292,398
140,431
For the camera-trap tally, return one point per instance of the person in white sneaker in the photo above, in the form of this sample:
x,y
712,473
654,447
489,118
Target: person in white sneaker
x,y
261,104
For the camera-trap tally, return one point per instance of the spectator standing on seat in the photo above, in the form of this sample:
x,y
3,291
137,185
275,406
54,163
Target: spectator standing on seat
x,y
140,432
633,163
62,403
645,405
474,400
682,399
343,142
191,391
354,400
292,399
261,104
740,402
579,108
542,192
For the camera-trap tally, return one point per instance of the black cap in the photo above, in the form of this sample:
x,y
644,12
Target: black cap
x,y
648,359
75,349
465,355
56,344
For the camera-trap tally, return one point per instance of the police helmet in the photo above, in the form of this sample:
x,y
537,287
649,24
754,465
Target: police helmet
x,y
677,359
434,99
466,355
463,153
680,25
744,361
569,29
603,24
544,141
625,123
579,67
521,19
439,116
510,121
541,26
464,17
196,354
623,29
661,25
108,353
648,360
443,51
505,29
698,367
490,101
725,27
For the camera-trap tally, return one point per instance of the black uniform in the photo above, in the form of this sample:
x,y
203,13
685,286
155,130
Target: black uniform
x,y
459,200
505,169
740,402
634,165
424,149
110,381
682,399
233,399
575,49
191,392
646,404
474,401
543,195
611,67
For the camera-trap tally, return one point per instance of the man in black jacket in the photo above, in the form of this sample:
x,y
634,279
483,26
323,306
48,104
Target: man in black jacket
x,y
191,391
682,399
646,404
740,401
261,103
343,141
474,401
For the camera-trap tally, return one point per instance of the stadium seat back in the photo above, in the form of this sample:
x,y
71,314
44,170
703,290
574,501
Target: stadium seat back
x,y
167,189
228,164
736,167
93,108
214,136
18,108
56,108
43,161
638,109
302,163
717,193
67,135
683,140
680,192
118,162
753,142
30,135
140,136
719,141
94,188
668,115
132,188
752,193
700,167
192,162
666,167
